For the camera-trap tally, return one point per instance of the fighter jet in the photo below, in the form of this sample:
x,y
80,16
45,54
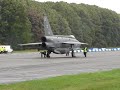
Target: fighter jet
x,y
58,44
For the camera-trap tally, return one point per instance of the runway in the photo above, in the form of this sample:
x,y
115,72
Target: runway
x,y
18,67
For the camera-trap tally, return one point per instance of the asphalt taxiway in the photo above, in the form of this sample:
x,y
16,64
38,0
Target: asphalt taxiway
x,y
18,67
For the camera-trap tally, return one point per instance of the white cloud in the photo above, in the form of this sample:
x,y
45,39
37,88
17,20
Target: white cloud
x,y
110,4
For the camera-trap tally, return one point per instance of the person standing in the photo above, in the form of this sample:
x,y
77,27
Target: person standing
x,y
85,50
43,53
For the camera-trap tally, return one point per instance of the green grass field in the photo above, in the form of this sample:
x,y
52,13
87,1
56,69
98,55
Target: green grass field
x,y
107,80
24,51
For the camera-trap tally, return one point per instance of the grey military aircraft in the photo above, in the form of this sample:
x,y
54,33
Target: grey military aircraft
x,y
58,44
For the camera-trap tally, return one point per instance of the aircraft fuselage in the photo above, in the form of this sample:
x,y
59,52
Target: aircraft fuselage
x,y
56,43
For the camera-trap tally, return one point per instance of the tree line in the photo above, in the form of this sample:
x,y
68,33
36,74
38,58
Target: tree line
x,y
21,21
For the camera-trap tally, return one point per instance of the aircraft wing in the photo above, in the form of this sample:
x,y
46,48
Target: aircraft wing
x,y
72,43
30,44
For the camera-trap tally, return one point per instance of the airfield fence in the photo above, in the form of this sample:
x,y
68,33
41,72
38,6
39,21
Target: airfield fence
x,y
99,49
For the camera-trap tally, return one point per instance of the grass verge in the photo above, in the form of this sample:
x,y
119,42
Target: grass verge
x,y
107,80
24,51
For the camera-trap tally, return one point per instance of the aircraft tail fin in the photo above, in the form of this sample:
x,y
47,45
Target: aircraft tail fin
x,y
47,27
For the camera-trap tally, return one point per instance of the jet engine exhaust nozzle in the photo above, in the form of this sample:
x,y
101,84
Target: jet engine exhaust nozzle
x,y
43,44
43,39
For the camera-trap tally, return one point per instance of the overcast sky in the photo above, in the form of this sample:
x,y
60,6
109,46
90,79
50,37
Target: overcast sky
x,y
110,4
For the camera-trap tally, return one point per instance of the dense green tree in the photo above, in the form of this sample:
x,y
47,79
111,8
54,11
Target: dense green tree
x,y
21,21
15,25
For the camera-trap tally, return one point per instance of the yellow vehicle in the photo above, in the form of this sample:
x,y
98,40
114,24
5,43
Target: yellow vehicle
x,y
5,49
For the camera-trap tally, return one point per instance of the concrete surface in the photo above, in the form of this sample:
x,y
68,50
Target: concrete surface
x,y
18,67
